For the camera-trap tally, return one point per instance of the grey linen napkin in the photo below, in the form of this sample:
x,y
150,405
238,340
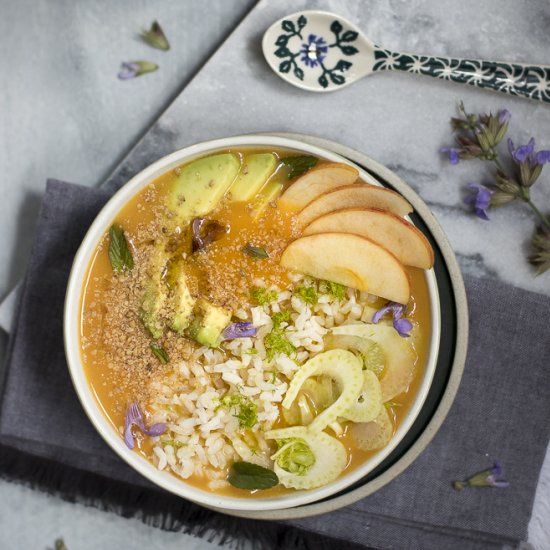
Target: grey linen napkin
x,y
500,412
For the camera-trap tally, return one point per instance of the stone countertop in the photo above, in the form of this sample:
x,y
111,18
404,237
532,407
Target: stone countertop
x,y
81,119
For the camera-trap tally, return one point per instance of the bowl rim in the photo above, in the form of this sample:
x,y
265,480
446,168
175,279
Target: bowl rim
x,y
92,406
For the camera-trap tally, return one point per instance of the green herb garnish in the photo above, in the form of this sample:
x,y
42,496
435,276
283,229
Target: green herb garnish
x,y
174,443
294,456
299,165
263,295
275,342
251,351
246,411
307,294
160,353
335,289
120,254
280,317
245,475
255,251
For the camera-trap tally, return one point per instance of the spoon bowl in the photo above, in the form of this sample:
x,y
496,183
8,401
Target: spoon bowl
x,y
320,51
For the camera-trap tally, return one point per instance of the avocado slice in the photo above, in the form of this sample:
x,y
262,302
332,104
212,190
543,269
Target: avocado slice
x,y
201,184
155,295
255,171
181,298
269,192
209,322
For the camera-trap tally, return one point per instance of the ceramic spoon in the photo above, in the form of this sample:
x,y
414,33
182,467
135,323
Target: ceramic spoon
x,y
321,52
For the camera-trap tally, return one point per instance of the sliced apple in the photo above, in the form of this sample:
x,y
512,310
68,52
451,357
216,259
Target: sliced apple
x,y
354,196
315,182
350,260
400,237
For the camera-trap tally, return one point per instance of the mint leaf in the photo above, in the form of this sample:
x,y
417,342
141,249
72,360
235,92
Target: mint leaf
x,y
160,353
255,251
299,165
120,254
245,475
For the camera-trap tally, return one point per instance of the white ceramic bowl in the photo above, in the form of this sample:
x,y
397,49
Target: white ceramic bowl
x,y
93,409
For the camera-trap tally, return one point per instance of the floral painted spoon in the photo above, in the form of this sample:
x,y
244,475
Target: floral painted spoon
x,y
321,52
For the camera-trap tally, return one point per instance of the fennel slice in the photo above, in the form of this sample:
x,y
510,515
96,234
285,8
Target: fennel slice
x,y
400,355
369,436
368,404
330,458
343,367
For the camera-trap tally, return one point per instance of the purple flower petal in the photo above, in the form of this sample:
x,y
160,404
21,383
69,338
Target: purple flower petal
x,y
134,417
523,152
496,470
403,327
128,70
480,199
452,152
504,116
500,484
239,330
155,430
396,309
542,157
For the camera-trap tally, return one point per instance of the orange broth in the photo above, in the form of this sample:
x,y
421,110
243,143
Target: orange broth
x,y
114,389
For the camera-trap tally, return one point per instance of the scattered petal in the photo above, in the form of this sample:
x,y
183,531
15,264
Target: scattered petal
x,y
403,327
155,37
486,478
400,324
136,68
239,330
134,417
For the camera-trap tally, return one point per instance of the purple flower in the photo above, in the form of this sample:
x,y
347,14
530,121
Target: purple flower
x,y
542,157
400,324
315,51
239,330
523,152
136,68
504,116
480,199
454,154
134,417
486,478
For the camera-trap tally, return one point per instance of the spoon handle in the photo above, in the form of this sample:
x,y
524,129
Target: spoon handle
x,y
531,81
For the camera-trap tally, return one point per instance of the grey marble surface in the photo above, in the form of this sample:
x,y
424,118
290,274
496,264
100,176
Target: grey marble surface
x,y
78,122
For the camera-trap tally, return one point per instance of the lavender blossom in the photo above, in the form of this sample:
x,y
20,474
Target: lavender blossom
x,y
134,417
400,324
136,68
486,478
480,199
239,330
452,152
